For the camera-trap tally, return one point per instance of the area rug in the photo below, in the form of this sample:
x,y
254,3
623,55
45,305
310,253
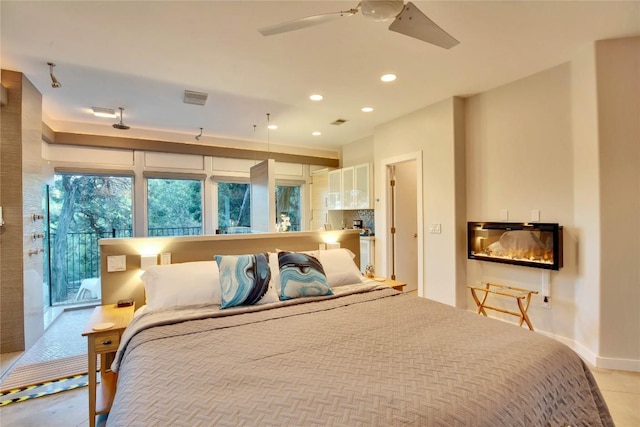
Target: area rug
x,y
39,373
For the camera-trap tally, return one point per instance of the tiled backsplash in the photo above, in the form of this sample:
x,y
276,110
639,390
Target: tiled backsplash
x,y
366,215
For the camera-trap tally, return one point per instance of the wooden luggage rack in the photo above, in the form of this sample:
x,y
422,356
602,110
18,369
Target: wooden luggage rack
x,y
521,295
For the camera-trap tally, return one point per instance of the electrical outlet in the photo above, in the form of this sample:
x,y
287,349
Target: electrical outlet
x,y
165,258
546,302
435,228
535,215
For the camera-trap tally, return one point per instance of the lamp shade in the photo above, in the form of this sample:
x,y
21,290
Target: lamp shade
x,y
147,261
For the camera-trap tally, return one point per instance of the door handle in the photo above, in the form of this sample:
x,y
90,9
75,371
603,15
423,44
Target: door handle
x,y
415,234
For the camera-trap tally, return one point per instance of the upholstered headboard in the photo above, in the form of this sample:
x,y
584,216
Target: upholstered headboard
x,y
126,284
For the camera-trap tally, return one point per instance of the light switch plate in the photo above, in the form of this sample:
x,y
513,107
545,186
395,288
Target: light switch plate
x,y
435,228
504,215
116,263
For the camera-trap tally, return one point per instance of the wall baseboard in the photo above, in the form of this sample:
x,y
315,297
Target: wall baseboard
x,y
595,360
632,365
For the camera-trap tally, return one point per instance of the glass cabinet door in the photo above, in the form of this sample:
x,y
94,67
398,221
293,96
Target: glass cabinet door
x,y
335,189
348,188
362,187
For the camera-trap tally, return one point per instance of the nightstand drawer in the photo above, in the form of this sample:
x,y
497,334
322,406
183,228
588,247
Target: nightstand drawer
x,y
106,342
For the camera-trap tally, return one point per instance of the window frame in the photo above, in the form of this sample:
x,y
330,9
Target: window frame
x,y
146,175
302,184
215,181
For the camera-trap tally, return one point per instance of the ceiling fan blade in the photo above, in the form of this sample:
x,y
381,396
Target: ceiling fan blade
x,y
413,23
309,21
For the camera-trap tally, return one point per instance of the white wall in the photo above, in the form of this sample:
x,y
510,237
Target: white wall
x,y
566,142
358,152
431,131
519,158
618,80
586,199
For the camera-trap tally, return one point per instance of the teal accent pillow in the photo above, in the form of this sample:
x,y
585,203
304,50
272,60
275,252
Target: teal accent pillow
x,y
245,280
301,275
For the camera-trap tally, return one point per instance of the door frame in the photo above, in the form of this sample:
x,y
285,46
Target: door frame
x,y
385,217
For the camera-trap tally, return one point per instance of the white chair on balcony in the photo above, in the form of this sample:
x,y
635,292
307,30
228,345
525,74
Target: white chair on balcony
x,y
90,289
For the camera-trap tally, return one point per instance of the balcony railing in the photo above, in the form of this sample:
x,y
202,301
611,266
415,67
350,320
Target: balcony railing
x,y
82,260
175,231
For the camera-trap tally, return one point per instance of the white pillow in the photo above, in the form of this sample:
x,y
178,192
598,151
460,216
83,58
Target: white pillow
x,y
339,267
275,272
181,284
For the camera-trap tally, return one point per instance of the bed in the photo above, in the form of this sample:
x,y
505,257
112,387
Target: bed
x,y
359,354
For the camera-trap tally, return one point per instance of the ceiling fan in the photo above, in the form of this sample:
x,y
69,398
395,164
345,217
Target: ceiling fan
x,y
409,20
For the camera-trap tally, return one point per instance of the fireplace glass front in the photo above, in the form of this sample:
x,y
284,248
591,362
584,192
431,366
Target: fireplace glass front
x,y
528,244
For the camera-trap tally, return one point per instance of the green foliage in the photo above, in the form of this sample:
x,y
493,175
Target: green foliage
x,y
94,203
83,208
234,205
288,203
174,203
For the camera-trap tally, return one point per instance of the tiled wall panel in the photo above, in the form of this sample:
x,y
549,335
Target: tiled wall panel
x,y
32,204
11,235
20,195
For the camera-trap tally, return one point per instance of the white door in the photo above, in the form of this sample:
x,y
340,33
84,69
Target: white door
x,y
263,196
406,224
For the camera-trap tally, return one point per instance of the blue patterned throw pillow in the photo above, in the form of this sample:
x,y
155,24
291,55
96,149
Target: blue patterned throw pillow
x,y
244,279
301,275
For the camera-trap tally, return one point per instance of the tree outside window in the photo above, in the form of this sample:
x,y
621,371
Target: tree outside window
x,y
234,207
174,207
288,205
83,209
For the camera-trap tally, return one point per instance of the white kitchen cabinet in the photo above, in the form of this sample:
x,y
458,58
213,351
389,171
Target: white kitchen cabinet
x,y
362,187
356,187
334,199
348,187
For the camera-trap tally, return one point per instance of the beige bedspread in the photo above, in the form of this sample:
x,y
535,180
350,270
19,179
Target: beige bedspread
x,y
365,359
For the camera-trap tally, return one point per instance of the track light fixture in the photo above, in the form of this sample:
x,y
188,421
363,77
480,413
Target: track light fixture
x,y
199,135
54,82
120,125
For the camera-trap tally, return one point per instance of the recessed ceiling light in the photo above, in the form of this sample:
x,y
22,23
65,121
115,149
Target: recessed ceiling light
x,y
388,77
316,97
367,109
272,127
316,133
104,112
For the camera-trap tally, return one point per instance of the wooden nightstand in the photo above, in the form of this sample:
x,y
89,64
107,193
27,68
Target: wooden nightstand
x,y
398,286
104,343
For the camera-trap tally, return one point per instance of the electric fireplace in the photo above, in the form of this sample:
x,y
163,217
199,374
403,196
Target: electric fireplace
x,y
529,244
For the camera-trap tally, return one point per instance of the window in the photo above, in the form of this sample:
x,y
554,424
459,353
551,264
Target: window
x,y
81,210
234,207
174,207
288,206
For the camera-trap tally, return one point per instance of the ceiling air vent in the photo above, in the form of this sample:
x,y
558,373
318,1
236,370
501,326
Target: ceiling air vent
x,y
195,98
338,122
